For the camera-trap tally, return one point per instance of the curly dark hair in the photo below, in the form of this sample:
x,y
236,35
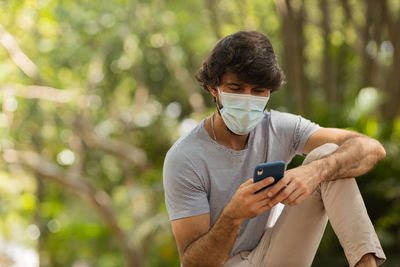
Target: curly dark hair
x,y
247,54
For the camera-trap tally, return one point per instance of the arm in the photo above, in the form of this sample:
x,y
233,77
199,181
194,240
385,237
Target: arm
x,y
198,245
356,155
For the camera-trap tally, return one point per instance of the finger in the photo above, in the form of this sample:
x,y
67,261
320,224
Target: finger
x,y
294,195
278,186
257,205
261,184
257,199
294,191
298,200
282,195
260,203
262,194
248,182
262,198
266,205
264,209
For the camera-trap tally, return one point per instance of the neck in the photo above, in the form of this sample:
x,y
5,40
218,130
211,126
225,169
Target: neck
x,y
224,136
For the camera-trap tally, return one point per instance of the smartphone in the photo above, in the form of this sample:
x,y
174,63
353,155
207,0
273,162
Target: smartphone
x,y
276,169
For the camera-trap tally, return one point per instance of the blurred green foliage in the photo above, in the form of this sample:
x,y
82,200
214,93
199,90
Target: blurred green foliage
x,y
99,91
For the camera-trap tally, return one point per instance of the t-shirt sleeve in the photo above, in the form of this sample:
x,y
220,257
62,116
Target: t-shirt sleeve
x,y
185,195
293,131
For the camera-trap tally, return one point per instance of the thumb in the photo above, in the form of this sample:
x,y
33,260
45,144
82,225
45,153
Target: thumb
x,y
248,182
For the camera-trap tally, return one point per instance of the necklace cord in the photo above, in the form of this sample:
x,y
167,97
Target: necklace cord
x,y
212,127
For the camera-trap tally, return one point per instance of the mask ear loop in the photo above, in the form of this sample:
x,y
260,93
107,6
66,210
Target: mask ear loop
x,y
216,101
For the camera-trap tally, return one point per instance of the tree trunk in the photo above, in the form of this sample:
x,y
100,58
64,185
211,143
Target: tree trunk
x,y
328,75
392,85
293,42
371,39
212,6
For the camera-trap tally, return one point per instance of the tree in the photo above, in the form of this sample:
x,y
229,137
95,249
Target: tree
x,y
95,93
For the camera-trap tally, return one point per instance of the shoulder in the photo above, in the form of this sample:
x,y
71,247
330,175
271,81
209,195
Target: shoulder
x,y
280,120
285,125
184,149
282,116
181,174
285,119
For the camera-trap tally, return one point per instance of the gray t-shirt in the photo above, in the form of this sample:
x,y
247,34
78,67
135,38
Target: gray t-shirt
x,y
201,176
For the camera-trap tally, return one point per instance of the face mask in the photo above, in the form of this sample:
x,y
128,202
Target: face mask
x,y
242,113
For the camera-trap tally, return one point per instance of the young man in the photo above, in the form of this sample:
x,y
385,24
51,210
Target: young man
x,y
217,218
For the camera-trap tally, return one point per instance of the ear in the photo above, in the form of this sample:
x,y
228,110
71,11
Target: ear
x,y
213,91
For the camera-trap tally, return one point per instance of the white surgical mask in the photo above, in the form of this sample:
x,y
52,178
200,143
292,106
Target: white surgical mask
x,y
241,112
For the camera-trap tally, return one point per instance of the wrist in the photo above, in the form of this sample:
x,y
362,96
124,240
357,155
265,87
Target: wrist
x,y
321,169
230,216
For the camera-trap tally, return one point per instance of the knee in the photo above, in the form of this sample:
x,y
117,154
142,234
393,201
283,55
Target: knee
x,y
323,187
320,152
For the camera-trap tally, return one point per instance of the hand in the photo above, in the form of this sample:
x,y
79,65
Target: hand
x,y
296,185
245,204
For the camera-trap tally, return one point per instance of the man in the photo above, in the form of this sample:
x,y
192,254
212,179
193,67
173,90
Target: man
x,y
216,217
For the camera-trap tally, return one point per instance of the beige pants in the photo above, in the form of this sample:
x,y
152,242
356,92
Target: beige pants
x,y
294,240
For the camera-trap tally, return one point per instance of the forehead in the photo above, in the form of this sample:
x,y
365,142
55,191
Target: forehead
x,y
230,77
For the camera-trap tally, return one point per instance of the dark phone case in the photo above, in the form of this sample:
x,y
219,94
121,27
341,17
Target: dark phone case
x,y
275,169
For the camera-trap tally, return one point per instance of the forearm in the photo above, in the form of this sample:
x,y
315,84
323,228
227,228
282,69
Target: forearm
x,y
213,248
354,157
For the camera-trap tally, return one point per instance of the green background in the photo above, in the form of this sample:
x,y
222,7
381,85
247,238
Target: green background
x,y
94,93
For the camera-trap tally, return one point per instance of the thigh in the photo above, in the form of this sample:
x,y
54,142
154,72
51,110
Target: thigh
x,y
239,260
295,238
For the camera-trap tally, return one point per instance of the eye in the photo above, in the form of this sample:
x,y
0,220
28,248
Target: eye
x,y
261,91
234,88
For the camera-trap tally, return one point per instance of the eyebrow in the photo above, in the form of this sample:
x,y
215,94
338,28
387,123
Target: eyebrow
x,y
235,84
238,84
